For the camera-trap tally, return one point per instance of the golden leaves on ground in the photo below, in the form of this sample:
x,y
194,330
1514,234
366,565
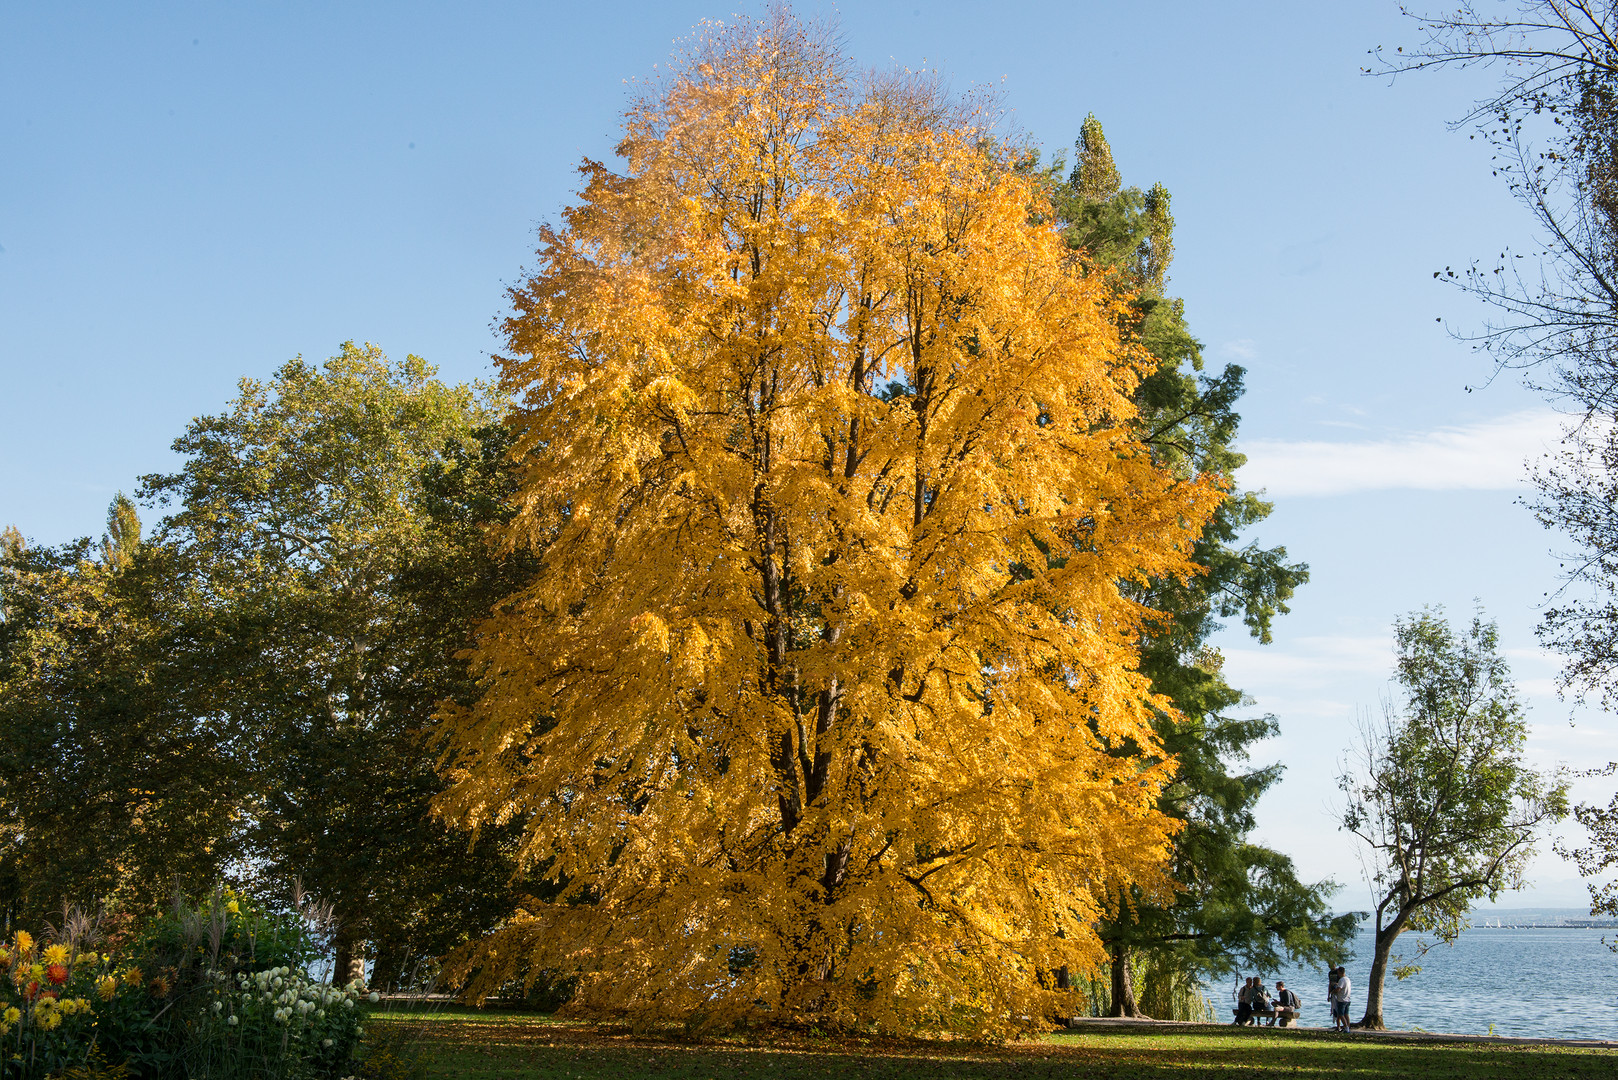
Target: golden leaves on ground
x,y
824,705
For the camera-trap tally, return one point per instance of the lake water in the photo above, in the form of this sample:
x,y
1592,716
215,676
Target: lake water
x,y
1549,982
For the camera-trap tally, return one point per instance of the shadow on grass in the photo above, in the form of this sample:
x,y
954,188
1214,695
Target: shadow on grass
x,y
518,1046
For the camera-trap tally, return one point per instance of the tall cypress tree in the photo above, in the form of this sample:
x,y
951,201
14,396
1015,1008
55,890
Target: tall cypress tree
x,y
1240,902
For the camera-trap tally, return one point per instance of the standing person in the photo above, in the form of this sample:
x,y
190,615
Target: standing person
x,y
1344,992
1341,989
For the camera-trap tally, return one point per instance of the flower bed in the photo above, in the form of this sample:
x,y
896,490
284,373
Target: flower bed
x,y
220,990
47,1019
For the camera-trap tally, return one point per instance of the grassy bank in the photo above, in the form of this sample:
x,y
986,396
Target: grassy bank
x,y
510,1046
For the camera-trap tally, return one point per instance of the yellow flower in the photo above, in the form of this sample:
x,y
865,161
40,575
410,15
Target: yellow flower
x,y
86,958
25,941
12,1015
46,1004
38,972
50,1021
234,908
107,987
55,954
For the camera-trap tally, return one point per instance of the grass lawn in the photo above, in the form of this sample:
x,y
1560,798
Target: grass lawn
x,y
515,1046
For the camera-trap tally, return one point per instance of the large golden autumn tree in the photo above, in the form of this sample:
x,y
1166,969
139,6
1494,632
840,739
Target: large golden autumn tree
x,y
824,705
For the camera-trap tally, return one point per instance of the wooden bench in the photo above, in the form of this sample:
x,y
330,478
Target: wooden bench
x,y
1271,1014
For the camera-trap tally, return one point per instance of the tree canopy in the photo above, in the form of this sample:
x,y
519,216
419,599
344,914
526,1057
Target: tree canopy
x,y
118,781
1439,793
247,692
825,703
302,523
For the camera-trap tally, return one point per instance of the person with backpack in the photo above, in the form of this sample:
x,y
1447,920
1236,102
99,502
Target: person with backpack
x,y
1287,1005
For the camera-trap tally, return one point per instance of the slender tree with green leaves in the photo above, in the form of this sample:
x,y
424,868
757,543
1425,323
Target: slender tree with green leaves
x,y
1438,792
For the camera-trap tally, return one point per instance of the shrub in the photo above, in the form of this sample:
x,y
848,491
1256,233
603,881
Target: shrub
x,y
275,1023
228,932
218,990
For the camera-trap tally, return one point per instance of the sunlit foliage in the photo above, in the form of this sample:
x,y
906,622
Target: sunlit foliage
x,y
824,706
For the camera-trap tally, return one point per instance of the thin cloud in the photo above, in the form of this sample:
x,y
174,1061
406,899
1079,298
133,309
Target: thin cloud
x,y
1490,455
1240,349
1310,660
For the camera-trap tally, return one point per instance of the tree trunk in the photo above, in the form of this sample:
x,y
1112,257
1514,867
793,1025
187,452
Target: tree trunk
x,y
348,959
1385,937
1123,985
384,966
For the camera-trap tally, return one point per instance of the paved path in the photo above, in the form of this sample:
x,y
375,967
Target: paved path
x,y
1080,1023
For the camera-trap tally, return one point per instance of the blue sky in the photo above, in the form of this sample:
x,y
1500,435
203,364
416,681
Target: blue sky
x,y
194,193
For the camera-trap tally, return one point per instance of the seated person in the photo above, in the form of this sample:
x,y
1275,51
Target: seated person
x,y
1261,1000
1286,1004
1244,1001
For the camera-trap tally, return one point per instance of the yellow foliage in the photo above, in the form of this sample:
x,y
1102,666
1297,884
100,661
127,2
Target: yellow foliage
x,y
824,706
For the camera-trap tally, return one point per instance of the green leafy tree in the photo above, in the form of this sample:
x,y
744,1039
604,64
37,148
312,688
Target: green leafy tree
x,y
1239,902
251,690
442,888
1439,793
337,590
116,779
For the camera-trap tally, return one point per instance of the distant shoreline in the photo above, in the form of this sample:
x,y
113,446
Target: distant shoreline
x,y
1530,918
1605,924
